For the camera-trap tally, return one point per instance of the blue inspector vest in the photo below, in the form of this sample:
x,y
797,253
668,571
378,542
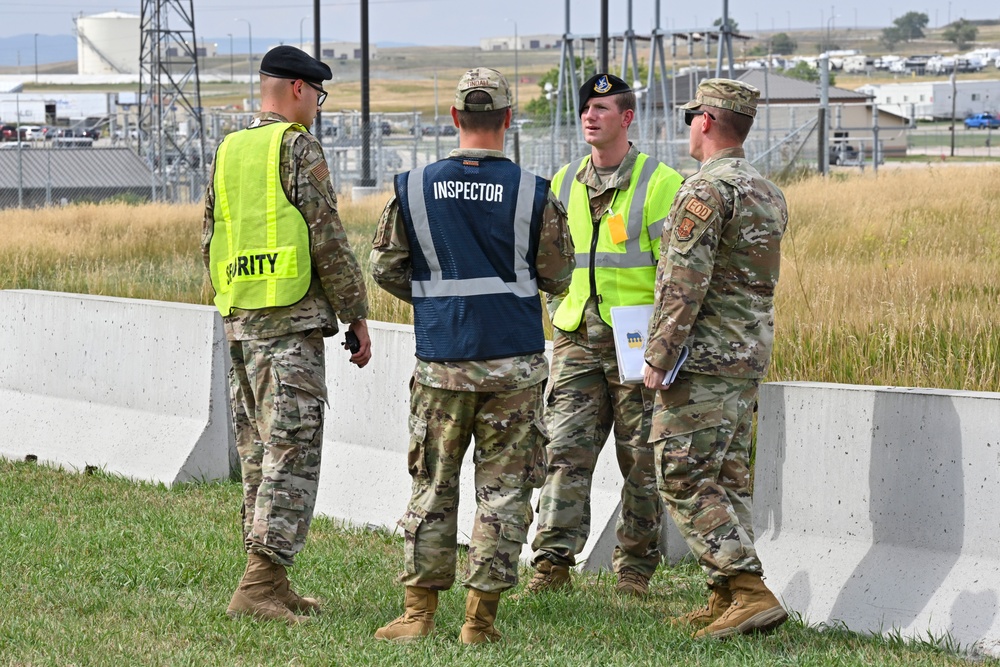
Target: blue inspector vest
x,y
473,227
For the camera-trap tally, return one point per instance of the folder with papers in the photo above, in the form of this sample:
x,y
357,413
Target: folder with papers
x,y
630,325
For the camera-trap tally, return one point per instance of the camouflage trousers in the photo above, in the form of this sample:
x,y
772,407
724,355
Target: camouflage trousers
x,y
584,403
509,463
701,439
277,389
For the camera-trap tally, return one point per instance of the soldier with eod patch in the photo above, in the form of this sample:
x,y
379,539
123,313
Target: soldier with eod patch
x,y
715,281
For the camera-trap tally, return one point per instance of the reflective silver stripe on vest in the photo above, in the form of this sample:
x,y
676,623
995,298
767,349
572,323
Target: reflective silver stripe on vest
x,y
569,178
437,286
615,260
656,229
634,256
522,227
421,226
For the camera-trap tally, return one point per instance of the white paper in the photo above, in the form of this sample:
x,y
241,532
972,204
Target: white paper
x,y
630,325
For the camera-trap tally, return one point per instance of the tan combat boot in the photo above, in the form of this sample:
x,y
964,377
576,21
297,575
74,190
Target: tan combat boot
x,y
548,577
718,602
632,583
754,609
295,602
480,615
417,620
255,594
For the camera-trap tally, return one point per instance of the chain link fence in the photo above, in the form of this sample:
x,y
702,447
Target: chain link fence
x,y
49,172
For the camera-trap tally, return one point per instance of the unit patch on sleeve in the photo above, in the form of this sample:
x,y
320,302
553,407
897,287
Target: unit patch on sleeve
x,y
698,208
685,230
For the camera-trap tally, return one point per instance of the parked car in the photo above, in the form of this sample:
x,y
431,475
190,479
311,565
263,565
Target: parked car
x,y
841,154
982,120
8,133
31,133
440,130
65,133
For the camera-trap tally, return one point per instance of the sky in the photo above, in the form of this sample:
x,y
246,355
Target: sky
x,y
465,22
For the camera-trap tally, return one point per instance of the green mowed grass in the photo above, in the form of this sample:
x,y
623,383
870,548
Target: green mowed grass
x,y
99,570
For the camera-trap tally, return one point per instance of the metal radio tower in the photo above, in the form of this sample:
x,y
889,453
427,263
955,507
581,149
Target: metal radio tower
x,y
171,130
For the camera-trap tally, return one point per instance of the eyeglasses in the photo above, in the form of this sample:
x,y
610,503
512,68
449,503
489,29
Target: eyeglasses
x,y
690,114
318,89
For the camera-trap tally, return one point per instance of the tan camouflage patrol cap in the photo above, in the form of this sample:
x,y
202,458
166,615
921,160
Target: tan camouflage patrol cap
x,y
487,80
726,94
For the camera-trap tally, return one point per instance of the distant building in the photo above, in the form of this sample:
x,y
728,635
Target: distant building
x,y
522,43
337,50
107,43
932,100
204,50
790,103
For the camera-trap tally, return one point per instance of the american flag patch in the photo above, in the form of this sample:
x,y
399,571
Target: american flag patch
x,y
321,172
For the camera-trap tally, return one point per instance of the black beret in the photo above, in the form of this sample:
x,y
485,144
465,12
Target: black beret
x,y
601,85
289,62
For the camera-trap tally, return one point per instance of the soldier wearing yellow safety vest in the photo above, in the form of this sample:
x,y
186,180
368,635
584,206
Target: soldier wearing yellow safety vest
x,y
617,200
283,273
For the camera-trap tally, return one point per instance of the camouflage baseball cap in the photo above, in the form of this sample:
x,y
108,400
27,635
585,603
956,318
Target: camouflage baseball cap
x,y
726,94
487,80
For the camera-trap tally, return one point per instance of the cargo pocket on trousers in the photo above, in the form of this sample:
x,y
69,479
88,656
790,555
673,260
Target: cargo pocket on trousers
x,y
508,552
674,435
685,420
416,457
410,523
537,465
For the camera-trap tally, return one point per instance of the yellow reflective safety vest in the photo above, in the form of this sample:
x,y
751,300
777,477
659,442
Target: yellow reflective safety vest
x,y
260,244
618,254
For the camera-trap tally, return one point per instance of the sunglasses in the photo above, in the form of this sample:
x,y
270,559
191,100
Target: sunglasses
x,y
318,89
689,115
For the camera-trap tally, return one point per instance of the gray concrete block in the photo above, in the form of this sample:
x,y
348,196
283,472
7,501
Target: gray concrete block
x,y
874,506
132,387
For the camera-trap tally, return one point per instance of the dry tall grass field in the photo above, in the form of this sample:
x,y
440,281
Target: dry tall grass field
x,y
890,280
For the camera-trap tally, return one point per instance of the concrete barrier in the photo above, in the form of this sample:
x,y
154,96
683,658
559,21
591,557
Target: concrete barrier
x,y
363,479
876,507
136,388
139,388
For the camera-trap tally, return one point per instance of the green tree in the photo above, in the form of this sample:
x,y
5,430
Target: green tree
x,y
805,72
961,33
541,108
783,45
891,37
733,25
911,25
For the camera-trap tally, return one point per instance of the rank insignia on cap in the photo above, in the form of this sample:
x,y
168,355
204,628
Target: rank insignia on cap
x,y
602,86
685,230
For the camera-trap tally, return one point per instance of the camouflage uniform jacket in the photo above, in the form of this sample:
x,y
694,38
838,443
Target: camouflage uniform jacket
x,y
593,330
719,261
554,263
338,286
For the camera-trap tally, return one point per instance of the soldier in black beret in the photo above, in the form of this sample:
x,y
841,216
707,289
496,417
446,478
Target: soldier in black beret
x,y
602,85
616,198
288,62
284,273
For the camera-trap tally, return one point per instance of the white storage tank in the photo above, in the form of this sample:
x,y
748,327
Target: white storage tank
x,y
107,43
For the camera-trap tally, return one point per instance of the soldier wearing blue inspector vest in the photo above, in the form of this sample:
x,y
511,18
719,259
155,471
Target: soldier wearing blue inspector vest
x,y
469,241
617,200
283,273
